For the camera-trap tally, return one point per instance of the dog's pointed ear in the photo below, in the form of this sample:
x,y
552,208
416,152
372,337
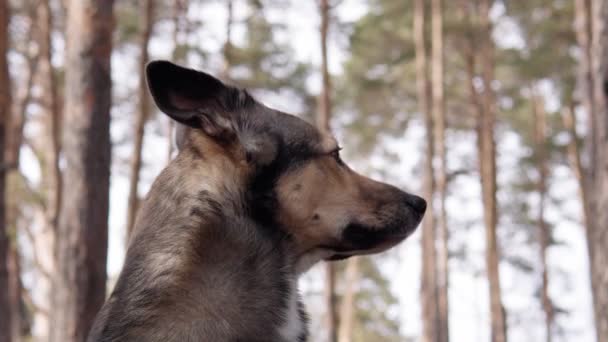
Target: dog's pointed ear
x,y
190,97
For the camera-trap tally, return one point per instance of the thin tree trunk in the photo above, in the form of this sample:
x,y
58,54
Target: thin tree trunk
x,y
544,234
15,290
574,157
323,118
487,165
227,49
347,308
428,285
177,12
5,109
146,22
584,35
80,282
51,177
437,87
52,122
599,167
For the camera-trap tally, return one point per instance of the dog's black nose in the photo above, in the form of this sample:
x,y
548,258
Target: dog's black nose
x,y
417,203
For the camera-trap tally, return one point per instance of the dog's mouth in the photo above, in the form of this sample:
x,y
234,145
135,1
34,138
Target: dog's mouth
x,y
359,239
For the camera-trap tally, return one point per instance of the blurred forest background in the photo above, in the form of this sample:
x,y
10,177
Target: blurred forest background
x,y
494,109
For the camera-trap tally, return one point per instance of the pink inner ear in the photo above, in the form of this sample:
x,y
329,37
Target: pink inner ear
x,y
181,102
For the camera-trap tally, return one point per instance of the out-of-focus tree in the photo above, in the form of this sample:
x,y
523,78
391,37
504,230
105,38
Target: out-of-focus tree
x,y
438,107
373,301
598,171
5,108
486,145
264,62
428,278
79,285
323,123
146,23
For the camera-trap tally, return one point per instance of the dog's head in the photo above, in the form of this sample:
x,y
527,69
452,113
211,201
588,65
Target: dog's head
x,y
291,173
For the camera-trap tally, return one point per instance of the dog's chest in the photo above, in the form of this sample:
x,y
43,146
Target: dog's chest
x,y
294,327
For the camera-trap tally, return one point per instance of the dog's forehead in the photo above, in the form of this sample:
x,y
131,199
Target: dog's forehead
x,y
294,131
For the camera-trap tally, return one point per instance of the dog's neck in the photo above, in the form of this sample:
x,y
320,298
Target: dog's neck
x,y
196,254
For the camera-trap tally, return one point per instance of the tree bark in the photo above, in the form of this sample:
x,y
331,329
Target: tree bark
x,y
584,27
323,118
599,167
487,166
347,307
574,158
146,23
80,282
437,87
544,233
52,119
51,148
178,11
428,285
5,109
15,290
227,48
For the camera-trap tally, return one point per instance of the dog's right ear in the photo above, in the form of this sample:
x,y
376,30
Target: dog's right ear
x,y
190,97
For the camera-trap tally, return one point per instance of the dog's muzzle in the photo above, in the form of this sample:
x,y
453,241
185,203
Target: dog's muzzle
x,y
359,238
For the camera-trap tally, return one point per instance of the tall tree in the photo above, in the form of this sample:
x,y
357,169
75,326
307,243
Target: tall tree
x,y
598,186
227,48
487,166
544,234
438,108
323,123
50,148
80,282
428,285
179,18
5,108
592,37
347,305
52,121
146,9
586,94
324,103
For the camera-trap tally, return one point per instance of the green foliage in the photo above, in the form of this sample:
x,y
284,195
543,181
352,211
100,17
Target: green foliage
x,y
264,62
377,91
374,303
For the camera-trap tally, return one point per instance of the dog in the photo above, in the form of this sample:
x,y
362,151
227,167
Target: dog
x,y
253,199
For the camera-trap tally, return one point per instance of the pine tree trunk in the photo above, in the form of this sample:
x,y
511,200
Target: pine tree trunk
x,y
146,10
5,108
227,49
323,117
599,167
347,307
52,119
439,116
80,282
428,285
15,290
178,11
544,234
487,165
50,143
574,158
584,35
